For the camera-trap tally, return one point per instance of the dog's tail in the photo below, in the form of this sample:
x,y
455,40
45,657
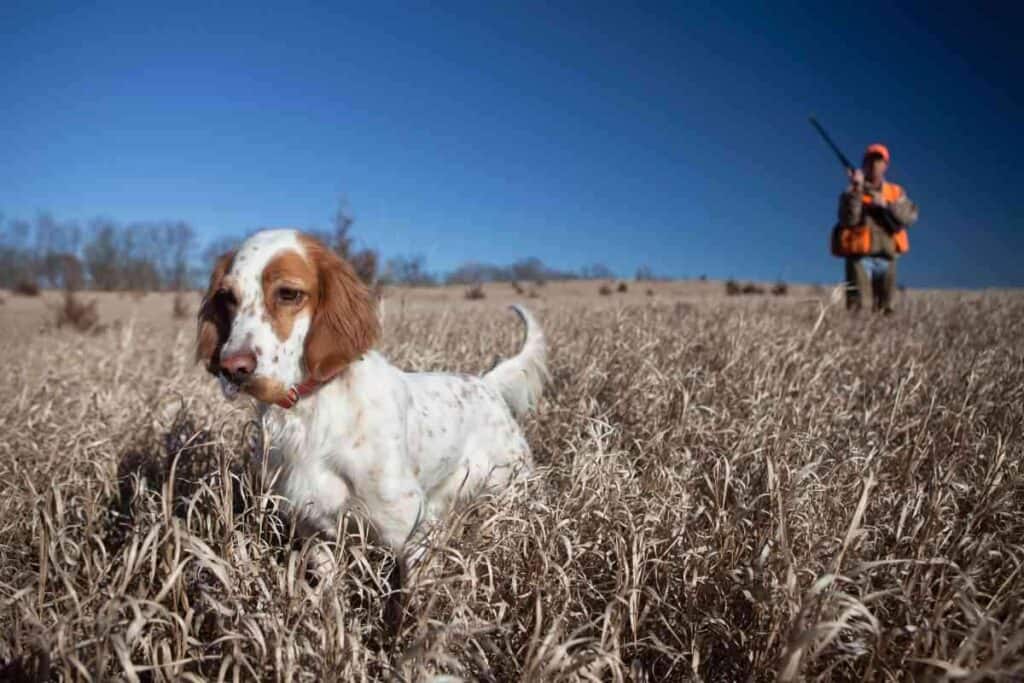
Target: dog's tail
x,y
521,379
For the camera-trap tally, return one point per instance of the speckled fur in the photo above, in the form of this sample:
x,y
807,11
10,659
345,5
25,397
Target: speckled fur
x,y
399,447
278,360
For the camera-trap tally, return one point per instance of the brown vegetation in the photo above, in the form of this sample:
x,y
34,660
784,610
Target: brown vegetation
x,y
26,288
180,309
725,491
733,288
475,292
76,314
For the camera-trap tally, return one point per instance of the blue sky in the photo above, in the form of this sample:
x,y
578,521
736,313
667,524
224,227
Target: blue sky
x,y
672,136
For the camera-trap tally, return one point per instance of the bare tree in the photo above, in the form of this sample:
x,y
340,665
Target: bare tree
x,y
142,255
645,274
217,248
17,262
63,269
343,221
179,239
531,268
56,252
364,261
472,273
409,270
102,258
46,237
596,271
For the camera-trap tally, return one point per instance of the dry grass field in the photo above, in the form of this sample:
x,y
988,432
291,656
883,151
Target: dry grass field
x,y
729,489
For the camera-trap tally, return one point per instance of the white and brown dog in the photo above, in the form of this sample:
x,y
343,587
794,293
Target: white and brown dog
x,y
287,321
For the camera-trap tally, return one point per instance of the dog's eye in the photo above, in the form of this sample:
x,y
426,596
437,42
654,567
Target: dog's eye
x,y
287,295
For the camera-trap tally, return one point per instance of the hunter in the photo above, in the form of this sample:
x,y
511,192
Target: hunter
x,y
872,232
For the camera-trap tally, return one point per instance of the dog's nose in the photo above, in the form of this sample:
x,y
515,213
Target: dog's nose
x,y
239,363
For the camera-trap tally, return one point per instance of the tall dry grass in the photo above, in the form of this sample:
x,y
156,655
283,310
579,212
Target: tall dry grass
x,y
727,490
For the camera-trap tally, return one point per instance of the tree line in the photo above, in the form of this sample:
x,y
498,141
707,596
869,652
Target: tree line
x,y
101,254
413,271
106,255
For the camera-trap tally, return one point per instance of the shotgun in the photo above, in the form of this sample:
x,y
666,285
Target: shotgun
x,y
883,216
828,141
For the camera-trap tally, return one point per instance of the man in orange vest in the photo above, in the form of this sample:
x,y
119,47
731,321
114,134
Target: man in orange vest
x,y
872,232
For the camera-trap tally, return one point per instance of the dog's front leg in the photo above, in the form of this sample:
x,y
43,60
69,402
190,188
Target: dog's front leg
x,y
322,518
396,521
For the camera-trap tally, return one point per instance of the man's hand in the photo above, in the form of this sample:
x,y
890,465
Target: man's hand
x,y
856,179
878,199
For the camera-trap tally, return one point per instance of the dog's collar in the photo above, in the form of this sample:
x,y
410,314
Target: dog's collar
x,y
304,389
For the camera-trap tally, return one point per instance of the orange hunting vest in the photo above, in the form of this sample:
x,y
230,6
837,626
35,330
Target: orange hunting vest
x,y
856,240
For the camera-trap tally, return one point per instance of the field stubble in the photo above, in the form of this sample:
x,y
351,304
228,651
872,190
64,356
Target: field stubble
x,y
726,490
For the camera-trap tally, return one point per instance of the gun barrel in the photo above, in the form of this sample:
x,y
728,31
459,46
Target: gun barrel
x,y
828,141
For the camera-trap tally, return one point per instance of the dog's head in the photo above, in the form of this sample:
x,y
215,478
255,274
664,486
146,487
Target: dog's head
x,y
282,310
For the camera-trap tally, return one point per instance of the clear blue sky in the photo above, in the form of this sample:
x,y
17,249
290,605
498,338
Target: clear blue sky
x,y
670,136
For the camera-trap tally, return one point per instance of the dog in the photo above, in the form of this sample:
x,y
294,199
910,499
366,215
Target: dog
x,y
287,321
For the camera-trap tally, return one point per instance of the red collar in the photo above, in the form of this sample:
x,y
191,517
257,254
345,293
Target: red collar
x,y
302,390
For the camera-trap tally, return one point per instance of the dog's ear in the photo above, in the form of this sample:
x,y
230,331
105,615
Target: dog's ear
x,y
345,323
214,324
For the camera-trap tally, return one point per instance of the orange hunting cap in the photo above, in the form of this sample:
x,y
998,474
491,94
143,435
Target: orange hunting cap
x,y
879,149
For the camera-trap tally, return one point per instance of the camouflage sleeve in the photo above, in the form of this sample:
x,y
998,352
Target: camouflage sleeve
x,y
903,211
851,209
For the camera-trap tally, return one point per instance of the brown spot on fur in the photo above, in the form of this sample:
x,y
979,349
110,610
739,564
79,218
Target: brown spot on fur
x,y
214,317
345,324
287,269
265,389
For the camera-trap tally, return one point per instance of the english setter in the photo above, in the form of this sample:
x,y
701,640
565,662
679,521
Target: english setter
x,y
287,321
